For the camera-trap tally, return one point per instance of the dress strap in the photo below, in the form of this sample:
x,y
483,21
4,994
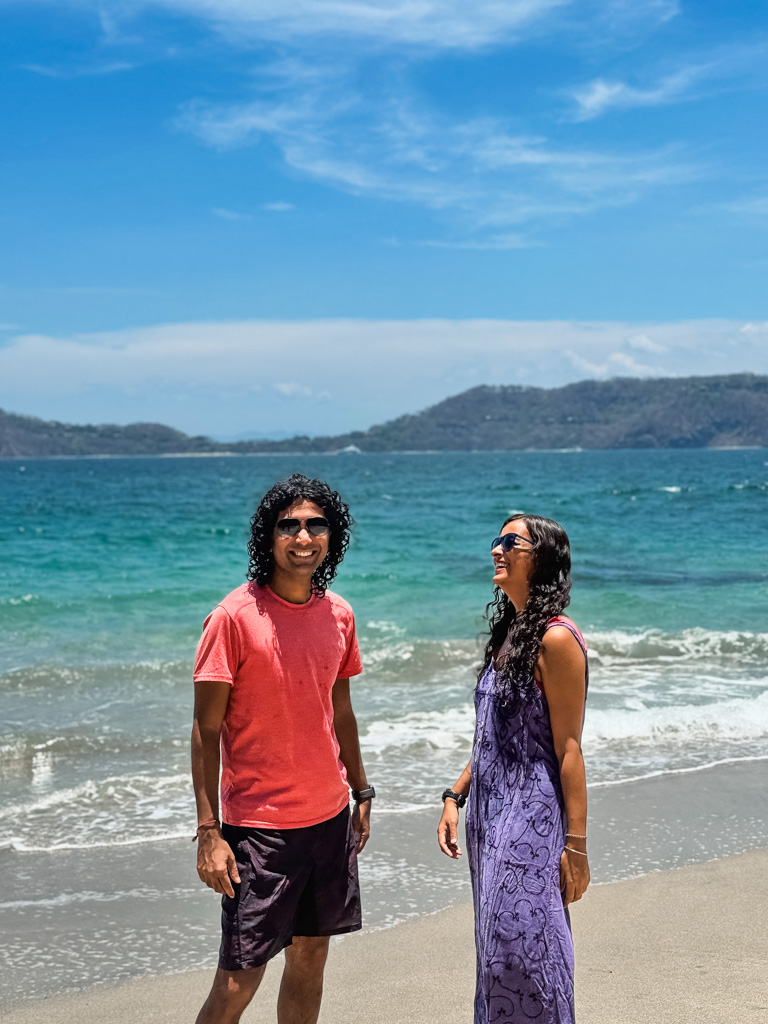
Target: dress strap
x,y
558,620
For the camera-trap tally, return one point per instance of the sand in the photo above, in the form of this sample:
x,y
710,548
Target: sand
x,y
687,946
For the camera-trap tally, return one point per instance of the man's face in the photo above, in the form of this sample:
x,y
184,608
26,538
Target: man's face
x,y
297,557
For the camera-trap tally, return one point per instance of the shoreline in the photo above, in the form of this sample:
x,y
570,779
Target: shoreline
x,y
648,948
129,912
298,453
137,911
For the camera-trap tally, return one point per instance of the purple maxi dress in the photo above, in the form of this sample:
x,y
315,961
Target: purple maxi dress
x,y
516,829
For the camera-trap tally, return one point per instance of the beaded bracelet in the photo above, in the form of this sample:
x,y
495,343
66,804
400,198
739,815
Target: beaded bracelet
x,y
572,835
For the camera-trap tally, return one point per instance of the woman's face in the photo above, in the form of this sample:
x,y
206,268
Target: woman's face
x,y
513,566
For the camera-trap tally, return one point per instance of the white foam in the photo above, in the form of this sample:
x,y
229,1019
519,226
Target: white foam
x,y
450,729
739,719
661,772
685,645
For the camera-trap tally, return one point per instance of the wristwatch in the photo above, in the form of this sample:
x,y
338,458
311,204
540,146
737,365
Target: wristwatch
x,y
359,795
460,799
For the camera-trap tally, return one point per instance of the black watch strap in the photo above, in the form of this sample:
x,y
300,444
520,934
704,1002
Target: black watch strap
x,y
358,795
460,799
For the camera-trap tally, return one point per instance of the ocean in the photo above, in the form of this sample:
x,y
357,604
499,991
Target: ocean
x,y
110,566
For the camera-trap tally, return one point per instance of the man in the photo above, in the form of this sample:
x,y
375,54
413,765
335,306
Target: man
x,y
272,692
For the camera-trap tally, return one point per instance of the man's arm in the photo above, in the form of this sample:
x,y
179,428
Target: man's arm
x,y
215,860
345,726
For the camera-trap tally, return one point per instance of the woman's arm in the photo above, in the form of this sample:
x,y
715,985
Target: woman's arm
x,y
561,670
448,829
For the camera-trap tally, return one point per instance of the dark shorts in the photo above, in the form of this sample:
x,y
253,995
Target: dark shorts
x,y
294,881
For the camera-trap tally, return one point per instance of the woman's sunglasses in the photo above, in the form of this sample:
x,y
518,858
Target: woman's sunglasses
x,y
509,541
317,526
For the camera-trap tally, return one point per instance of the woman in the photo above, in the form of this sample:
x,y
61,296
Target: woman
x,y
527,803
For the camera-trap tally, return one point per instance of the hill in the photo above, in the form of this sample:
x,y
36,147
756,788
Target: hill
x,y
680,412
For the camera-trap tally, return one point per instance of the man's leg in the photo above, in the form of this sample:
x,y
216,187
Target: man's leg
x,y
302,986
230,994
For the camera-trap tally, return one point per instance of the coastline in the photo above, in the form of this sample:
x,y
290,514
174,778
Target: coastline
x,y
685,945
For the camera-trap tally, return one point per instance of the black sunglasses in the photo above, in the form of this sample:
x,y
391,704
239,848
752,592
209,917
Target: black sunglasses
x,y
509,541
317,526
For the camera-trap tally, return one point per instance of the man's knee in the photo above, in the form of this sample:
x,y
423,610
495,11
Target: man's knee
x,y
236,988
308,953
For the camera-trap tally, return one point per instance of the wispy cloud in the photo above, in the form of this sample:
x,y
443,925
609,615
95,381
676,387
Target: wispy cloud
x,y
231,215
441,24
753,207
279,207
602,95
79,71
720,69
476,176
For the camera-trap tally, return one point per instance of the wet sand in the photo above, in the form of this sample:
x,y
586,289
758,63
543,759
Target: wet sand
x,y
685,946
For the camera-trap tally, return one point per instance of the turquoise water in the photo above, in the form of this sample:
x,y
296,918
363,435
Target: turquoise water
x,y
110,566
121,559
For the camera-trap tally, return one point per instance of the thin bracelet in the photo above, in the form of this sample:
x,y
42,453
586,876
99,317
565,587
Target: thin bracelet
x,y
572,835
211,823
570,849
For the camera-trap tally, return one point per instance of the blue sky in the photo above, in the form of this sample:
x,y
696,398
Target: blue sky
x,y
248,216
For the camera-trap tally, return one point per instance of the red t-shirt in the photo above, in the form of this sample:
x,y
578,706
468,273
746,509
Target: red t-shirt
x,y
279,752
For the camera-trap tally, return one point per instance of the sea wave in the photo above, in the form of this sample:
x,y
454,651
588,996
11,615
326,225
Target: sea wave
x,y
687,644
739,719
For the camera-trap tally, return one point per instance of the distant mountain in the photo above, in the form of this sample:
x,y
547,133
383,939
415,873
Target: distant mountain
x,y
678,412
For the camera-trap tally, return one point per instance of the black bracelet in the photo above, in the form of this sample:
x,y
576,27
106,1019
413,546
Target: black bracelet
x,y
460,799
360,795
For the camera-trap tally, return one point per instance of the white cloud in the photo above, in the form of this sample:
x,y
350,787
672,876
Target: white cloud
x,y
475,175
434,24
278,207
441,24
601,95
754,207
290,389
717,70
231,215
75,71
645,344
329,376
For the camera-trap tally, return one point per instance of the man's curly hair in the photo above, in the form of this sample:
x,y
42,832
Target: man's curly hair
x,y
280,497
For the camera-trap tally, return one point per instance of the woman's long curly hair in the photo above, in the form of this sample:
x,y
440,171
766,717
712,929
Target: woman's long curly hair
x,y
280,497
515,635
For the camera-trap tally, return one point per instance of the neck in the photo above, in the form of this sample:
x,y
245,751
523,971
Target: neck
x,y
290,589
518,594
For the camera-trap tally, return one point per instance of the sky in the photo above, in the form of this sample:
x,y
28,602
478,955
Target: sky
x,y
259,218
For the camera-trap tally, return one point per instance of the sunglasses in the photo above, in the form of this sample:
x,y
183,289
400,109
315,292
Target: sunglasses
x,y
317,527
509,541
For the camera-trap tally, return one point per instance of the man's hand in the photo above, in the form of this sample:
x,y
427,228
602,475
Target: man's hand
x,y
361,823
216,863
448,830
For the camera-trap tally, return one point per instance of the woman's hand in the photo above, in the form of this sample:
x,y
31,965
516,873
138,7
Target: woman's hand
x,y
448,830
574,875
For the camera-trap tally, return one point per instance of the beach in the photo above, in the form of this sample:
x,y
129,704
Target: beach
x,y
112,565
685,946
